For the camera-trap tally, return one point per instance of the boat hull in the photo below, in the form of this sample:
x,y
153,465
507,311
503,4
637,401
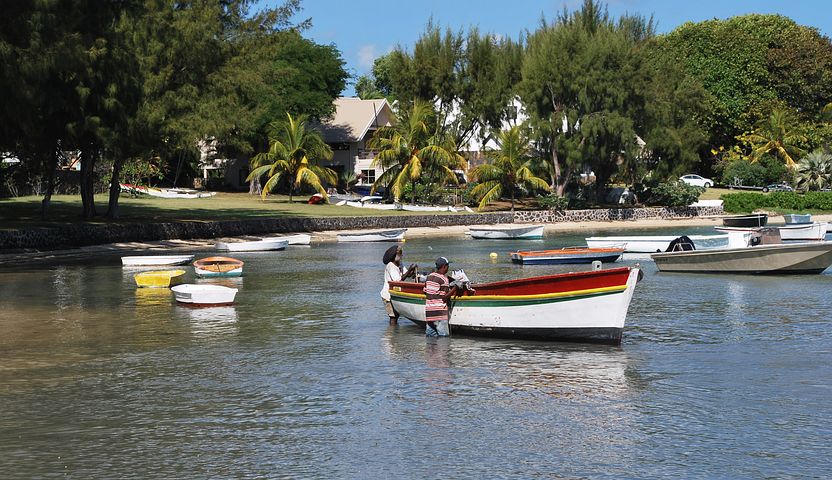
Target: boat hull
x,y
797,258
299,239
808,231
756,220
567,256
256,246
652,244
204,295
394,235
159,278
532,232
797,218
581,307
155,260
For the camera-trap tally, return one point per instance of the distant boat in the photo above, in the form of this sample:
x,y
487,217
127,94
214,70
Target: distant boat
x,y
653,243
520,232
218,267
204,295
297,239
797,231
568,255
159,278
265,244
373,236
155,260
797,218
753,220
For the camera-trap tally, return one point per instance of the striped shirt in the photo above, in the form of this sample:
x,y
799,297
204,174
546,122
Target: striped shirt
x,y
436,287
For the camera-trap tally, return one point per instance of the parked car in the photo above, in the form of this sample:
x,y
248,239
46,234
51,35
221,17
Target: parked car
x,y
697,181
778,187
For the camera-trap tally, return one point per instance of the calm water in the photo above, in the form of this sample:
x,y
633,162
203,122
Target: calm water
x,y
717,376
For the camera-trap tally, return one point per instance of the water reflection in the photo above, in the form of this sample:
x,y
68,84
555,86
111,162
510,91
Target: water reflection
x,y
210,321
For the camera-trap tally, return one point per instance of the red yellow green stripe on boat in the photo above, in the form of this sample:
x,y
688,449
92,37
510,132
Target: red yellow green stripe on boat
x,y
513,300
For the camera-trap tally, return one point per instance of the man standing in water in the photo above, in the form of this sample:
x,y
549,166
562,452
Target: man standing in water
x,y
438,292
393,272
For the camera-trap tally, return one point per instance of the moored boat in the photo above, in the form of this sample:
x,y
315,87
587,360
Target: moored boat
x,y
568,255
155,260
798,231
296,239
393,235
159,278
204,295
797,218
582,306
266,244
525,232
218,267
653,243
753,220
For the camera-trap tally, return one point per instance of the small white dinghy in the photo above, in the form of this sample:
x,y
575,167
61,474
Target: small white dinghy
x,y
297,239
155,260
263,245
204,295
373,236
522,232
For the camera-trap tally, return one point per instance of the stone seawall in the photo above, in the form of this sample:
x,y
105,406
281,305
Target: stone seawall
x,y
611,214
82,235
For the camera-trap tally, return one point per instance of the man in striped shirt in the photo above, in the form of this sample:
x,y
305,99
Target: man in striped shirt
x,y
438,292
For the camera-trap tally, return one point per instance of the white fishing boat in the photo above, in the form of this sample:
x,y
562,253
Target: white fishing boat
x,y
518,232
297,239
155,260
204,295
797,218
654,243
797,231
394,235
263,245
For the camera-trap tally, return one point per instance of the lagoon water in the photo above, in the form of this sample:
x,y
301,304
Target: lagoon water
x,y
717,376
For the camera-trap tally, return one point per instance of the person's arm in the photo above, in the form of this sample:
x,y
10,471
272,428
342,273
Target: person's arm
x,y
451,292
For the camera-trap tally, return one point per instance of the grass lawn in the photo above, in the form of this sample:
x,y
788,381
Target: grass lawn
x,y
25,211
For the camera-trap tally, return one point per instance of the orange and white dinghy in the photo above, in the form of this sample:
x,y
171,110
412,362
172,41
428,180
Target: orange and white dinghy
x,y
567,255
218,267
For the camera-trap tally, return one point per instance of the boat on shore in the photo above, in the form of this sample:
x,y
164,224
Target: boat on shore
x,y
795,231
266,244
204,295
581,307
567,255
186,193
155,260
753,220
519,232
760,252
296,239
218,267
797,218
393,235
159,278
653,243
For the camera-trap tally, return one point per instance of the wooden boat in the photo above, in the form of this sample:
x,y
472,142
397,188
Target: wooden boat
x,y
204,295
799,231
753,220
155,260
652,243
297,239
373,236
159,278
266,244
760,252
797,218
218,267
568,255
582,306
525,232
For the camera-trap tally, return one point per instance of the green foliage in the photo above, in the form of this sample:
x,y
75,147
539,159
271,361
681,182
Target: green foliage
x,y
814,171
553,201
767,171
674,194
428,194
748,202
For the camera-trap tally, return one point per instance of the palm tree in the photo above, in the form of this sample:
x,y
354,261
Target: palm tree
x,y
814,171
778,135
294,151
510,170
413,149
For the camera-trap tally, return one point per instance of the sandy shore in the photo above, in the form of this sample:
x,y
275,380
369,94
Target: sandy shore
x,y
453,231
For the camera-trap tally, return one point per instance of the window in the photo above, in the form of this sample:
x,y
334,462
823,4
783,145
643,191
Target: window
x,y
369,176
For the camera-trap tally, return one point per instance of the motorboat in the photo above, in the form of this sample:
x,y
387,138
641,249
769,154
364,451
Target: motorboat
x,y
797,218
159,278
394,235
567,255
580,306
653,243
760,252
155,260
795,231
218,267
266,244
519,232
753,220
204,295
296,239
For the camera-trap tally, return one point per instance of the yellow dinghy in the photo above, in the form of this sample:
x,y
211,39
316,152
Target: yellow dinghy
x,y
159,278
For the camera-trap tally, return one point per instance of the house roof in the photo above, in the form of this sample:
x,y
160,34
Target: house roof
x,y
353,118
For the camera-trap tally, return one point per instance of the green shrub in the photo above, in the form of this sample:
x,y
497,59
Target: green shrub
x,y
553,201
768,170
748,202
674,194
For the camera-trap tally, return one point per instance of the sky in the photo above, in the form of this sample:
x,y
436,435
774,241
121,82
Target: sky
x,y
363,29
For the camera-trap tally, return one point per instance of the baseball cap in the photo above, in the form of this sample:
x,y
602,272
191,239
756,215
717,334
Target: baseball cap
x,y
441,261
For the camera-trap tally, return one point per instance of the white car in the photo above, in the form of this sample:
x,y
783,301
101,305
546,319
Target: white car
x,y
697,181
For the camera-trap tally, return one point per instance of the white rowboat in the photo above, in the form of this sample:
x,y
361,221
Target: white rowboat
x,y
524,232
155,260
373,236
204,295
254,246
297,239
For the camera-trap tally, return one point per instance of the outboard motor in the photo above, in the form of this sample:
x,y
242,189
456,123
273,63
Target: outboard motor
x,y
681,244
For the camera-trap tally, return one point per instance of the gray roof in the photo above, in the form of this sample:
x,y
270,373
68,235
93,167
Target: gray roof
x,y
353,118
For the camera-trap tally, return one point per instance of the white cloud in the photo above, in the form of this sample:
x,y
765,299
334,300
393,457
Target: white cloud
x,y
366,55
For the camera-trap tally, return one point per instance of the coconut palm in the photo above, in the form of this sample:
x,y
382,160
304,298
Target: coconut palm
x,y
511,169
294,151
814,171
413,149
777,135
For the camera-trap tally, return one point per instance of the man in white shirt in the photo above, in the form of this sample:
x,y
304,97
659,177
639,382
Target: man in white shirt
x,y
393,272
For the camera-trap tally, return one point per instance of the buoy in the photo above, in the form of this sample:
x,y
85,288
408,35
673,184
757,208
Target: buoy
x,y
493,255
404,240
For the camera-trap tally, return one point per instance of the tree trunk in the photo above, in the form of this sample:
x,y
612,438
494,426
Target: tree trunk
x,y
512,200
178,170
88,158
291,191
254,187
413,193
50,164
115,188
